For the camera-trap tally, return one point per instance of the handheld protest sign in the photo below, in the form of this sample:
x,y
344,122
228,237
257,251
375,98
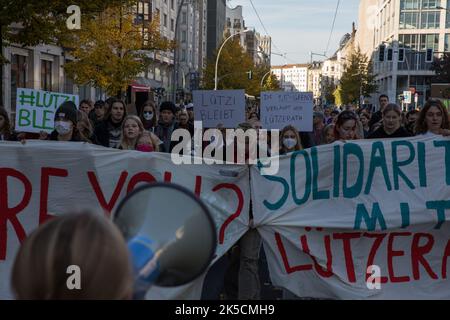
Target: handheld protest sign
x,y
169,225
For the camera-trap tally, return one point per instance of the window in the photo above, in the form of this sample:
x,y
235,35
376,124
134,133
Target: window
x,y
430,4
46,75
429,41
430,20
165,20
172,25
18,76
447,42
68,82
409,4
183,55
172,5
183,36
409,20
447,24
409,41
184,17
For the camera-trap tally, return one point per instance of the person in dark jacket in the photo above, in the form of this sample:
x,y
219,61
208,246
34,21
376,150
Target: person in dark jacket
x,y
377,116
97,114
391,124
66,120
166,126
108,132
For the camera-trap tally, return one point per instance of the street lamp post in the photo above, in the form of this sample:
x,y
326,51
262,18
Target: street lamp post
x,y
218,55
262,80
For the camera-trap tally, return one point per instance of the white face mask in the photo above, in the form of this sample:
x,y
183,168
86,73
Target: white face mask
x,y
62,127
148,116
289,143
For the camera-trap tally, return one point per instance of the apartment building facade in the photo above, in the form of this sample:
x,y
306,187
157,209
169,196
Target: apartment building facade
x,y
292,77
406,36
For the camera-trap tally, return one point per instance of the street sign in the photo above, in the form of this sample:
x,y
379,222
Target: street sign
x,y
407,95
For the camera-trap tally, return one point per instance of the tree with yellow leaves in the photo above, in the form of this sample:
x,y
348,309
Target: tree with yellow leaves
x,y
233,71
112,50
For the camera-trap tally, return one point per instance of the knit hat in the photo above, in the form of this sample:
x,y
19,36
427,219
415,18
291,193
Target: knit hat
x,y
67,111
167,105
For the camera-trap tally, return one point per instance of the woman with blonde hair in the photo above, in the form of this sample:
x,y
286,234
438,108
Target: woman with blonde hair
x,y
132,129
88,241
290,140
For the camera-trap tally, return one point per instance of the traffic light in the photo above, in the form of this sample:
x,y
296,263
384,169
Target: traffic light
x,y
381,52
429,55
401,55
390,53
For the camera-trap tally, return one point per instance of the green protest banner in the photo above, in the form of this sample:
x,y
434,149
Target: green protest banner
x,y
35,109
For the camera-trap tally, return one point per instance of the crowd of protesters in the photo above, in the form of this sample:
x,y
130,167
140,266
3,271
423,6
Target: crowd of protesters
x,y
108,124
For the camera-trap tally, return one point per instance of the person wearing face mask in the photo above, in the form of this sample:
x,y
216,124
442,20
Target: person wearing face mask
x,y
289,140
66,121
147,143
148,116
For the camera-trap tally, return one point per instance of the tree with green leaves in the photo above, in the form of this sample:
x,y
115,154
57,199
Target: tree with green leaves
x,y
442,68
29,23
112,50
328,90
358,78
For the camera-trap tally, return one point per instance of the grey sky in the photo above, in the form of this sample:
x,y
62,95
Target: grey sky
x,y
300,26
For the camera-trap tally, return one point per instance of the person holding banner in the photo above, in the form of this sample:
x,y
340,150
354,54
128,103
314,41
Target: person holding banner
x,y
433,119
289,140
132,130
391,124
87,244
5,126
346,126
66,121
108,132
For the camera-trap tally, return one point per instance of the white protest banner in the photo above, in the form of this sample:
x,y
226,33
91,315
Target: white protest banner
x,y
214,107
279,109
40,179
35,109
333,212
